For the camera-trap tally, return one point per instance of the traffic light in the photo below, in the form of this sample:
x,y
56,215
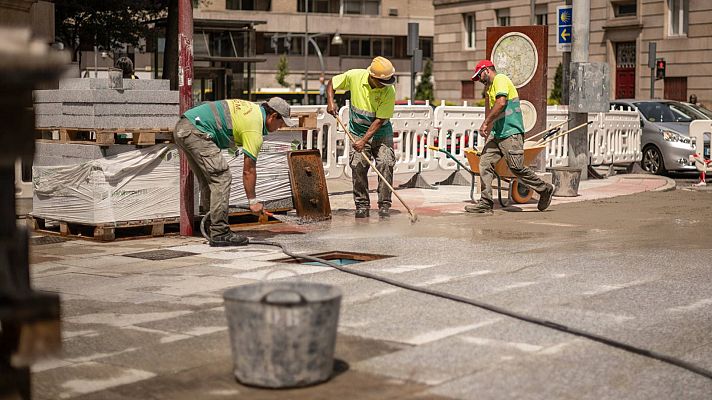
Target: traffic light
x,y
660,69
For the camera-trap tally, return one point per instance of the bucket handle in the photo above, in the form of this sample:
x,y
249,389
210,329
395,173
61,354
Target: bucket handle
x,y
267,275
266,300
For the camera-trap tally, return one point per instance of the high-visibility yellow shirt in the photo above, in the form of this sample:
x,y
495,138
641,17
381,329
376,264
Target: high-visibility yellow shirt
x,y
510,122
366,103
231,123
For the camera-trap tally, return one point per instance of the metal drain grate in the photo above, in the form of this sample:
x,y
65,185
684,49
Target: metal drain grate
x,y
40,240
158,255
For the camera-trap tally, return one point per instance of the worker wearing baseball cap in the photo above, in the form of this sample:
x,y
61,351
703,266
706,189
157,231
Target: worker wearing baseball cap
x,y
370,109
204,130
503,131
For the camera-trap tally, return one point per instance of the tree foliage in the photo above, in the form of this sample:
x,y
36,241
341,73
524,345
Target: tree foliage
x,y
82,24
424,90
556,92
282,71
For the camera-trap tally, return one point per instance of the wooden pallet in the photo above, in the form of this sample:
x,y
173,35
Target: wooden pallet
x,y
244,219
106,137
106,232
137,229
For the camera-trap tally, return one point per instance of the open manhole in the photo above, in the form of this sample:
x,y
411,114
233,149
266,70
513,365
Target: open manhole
x,y
158,255
336,257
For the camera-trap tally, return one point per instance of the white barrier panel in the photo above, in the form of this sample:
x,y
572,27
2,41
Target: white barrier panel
x,y
701,132
457,126
613,137
324,138
557,151
413,132
625,136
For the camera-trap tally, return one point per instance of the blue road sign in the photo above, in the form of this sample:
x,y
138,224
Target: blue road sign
x,y
564,35
564,19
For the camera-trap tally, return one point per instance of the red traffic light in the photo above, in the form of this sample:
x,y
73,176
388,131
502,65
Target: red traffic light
x,y
659,69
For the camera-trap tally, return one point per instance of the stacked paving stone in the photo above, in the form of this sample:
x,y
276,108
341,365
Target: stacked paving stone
x,y
89,103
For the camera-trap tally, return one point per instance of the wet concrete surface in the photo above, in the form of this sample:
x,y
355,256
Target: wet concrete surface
x,y
635,268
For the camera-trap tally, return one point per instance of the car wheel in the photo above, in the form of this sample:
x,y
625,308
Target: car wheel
x,y
653,161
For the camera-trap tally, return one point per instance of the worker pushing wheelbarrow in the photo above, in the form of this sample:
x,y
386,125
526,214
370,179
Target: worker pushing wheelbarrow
x,y
503,131
517,193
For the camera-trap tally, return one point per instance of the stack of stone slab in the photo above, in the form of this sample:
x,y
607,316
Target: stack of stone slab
x,y
89,103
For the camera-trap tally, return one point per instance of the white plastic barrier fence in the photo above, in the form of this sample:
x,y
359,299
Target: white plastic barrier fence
x,y
413,132
614,137
324,138
701,136
457,126
557,151
624,134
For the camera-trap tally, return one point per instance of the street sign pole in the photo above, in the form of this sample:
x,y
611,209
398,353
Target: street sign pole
x,y
563,44
651,64
411,50
578,141
185,88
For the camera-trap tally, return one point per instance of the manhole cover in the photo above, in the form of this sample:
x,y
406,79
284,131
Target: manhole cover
x,y
158,255
337,257
38,241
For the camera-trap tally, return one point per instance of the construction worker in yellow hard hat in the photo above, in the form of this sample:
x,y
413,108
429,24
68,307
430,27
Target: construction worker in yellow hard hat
x,y
373,98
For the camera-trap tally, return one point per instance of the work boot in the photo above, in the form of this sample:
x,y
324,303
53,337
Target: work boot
x,y
545,197
384,211
229,239
481,208
361,213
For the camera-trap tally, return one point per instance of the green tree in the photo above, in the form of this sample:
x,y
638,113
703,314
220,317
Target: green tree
x,y
282,71
555,95
83,24
424,90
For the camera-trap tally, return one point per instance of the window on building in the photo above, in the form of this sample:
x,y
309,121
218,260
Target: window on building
x,y
469,20
677,17
249,5
625,9
319,6
365,7
467,90
542,16
367,46
503,17
426,44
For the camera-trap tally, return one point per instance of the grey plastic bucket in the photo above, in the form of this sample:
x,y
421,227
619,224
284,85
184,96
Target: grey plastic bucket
x,y
566,180
282,334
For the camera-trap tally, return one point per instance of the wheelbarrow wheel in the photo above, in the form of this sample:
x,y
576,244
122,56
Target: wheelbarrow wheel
x,y
520,193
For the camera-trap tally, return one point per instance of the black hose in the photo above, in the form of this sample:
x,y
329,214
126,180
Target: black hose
x,y
538,321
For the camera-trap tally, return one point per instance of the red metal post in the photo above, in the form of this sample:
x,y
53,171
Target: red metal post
x,y
185,89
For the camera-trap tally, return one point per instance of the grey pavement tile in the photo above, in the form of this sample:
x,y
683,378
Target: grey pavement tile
x,y
411,318
72,381
103,262
585,371
176,356
194,324
444,360
206,373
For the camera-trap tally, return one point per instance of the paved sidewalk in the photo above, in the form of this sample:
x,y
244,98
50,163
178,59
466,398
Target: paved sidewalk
x,y
627,265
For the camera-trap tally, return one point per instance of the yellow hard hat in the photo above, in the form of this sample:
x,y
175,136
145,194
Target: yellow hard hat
x,y
383,70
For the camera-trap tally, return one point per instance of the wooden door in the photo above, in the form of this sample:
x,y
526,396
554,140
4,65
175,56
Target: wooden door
x,y
625,70
676,88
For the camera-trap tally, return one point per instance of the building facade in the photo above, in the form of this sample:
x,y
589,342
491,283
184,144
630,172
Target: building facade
x,y
620,31
367,28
